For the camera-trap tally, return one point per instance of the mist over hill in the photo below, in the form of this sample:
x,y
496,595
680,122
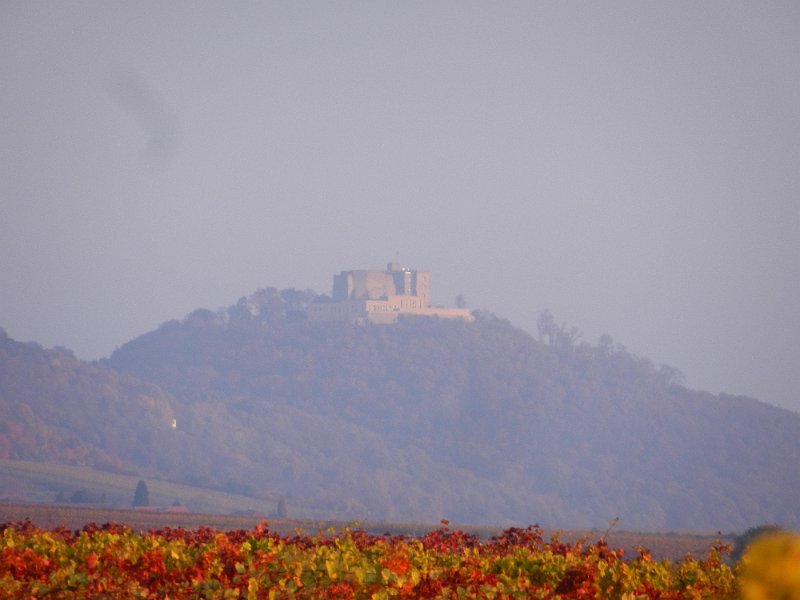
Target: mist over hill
x,y
424,419
54,407
477,422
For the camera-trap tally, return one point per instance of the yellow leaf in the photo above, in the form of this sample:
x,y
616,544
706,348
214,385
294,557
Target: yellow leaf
x,y
330,566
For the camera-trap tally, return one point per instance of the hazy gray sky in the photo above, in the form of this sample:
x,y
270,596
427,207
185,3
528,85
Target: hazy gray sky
x,y
634,167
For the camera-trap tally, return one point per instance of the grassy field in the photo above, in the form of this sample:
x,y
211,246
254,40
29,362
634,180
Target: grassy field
x,y
28,491
39,482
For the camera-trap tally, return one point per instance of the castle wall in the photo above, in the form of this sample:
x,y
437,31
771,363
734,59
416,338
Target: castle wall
x,y
422,286
381,296
388,311
363,285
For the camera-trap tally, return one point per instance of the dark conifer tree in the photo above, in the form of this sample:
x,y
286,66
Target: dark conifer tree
x,y
141,497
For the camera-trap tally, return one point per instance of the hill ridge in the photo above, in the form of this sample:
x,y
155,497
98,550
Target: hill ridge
x,y
477,422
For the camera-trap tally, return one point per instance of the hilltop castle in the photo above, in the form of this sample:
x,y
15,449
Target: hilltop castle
x,y
382,296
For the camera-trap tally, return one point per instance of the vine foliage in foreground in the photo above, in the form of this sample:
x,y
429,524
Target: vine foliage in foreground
x,y
179,563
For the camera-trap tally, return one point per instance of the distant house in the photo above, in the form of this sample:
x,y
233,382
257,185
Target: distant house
x,y
381,297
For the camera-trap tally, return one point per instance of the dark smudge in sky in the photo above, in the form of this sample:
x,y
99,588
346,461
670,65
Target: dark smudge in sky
x,y
158,122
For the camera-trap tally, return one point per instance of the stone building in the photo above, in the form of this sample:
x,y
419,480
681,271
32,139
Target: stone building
x,y
382,296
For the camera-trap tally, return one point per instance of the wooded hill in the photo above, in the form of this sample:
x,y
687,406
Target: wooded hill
x,y
427,419
54,407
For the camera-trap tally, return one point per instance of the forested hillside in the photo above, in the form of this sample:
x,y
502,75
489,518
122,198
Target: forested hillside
x,y
56,407
477,422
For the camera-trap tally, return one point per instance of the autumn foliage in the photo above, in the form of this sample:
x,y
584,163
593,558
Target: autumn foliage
x,y
115,561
